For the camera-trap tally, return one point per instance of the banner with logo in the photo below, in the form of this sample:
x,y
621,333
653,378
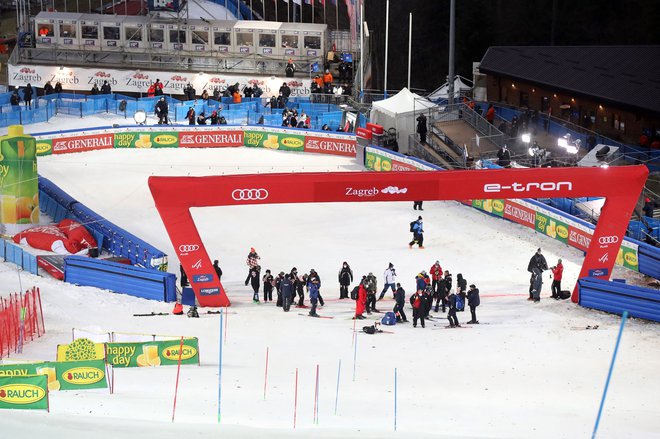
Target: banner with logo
x,y
80,349
150,139
24,392
44,147
330,145
90,142
152,353
383,161
283,141
210,139
80,78
62,375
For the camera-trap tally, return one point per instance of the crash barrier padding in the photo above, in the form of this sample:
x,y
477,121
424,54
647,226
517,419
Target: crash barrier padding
x,y
63,375
21,320
24,392
59,205
645,261
13,253
640,230
121,278
616,297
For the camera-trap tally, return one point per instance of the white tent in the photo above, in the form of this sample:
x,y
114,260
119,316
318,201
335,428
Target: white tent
x,y
443,92
400,112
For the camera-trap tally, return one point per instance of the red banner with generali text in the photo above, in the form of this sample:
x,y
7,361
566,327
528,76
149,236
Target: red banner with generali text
x,y
206,139
579,238
400,166
92,142
519,214
327,145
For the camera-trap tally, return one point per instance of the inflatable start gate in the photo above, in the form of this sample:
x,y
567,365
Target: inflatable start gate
x,y
174,196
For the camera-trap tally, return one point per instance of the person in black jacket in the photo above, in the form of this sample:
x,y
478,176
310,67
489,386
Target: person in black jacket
x,y
58,87
217,269
201,119
162,109
27,95
451,315
473,303
190,115
537,265
278,288
255,281
95,89
400,301
419,302
15,99
285,90
461,288
105,88
421,127
345,279
313,275
268,282
48,88
286,289
504,157
649,207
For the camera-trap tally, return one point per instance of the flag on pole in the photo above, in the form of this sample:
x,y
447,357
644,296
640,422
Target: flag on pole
x,y
350,9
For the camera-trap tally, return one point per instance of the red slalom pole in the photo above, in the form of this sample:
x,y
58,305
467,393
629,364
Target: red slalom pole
x,y
266,374
295,401
178,370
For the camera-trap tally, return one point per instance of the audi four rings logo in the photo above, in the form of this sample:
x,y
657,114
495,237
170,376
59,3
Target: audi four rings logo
x,y
249,194
188,248
608,240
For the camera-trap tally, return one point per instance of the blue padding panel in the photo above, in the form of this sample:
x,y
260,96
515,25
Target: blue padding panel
x,y
135,281
616,297
188,296
29,262
2,249
649,260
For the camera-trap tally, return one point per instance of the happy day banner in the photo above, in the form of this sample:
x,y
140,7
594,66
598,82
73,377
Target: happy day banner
x,y
152,353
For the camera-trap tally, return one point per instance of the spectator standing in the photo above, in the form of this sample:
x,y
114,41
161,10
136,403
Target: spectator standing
x,y
105,88
48,88
290,69
95,90
58,87
15,99
361,302
345,279
27,95
190,115
421,127
649,207
473,303
490,114
451,315
504,157
251,261
390,281
537,265
268,282
162,110
400,301
158,88
557,272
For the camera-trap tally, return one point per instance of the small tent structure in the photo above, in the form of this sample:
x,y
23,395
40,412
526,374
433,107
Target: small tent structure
x,y
400,112
442,93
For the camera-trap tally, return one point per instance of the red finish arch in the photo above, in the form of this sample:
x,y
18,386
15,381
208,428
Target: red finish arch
x,y
174,196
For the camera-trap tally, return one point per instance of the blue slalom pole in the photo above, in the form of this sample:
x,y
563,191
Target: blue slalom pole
x,y
624,317
220,365
337,394
355,355
395,395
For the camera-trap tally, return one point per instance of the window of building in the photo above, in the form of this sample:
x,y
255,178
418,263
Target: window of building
x,y
222,38
200,36
177,36
68,30
266,40
290,41
157,35
244,39
90,32
110,32
133,33
312,42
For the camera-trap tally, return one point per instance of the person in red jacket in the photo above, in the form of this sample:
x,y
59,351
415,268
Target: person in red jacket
x,y
361,302
490,114
436,275
151,91
557,271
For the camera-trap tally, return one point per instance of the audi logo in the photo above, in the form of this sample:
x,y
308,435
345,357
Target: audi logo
x,y
249,194
188,248
608,240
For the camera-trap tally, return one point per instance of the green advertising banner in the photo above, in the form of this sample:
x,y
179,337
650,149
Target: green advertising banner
x,y
496,207
377,162
628,257
152,353
147,139
19,191
44,147
19,370
274,140
62,375
24,392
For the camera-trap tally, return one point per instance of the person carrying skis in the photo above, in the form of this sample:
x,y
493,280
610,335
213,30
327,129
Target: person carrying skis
x,y
251,261
557,272
537,265
400,301
268,282
390,280
313,284
255,276
361,302
345,279
286,287
417,229
473,303
371,285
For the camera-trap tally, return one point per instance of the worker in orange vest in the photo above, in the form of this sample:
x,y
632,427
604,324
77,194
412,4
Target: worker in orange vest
x,y
327,77
237,97
151,91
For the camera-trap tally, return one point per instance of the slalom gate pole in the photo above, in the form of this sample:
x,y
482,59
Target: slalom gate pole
x,y
353,338
178,371
624,317
295,401
316,397
220,366
354,354
226,321
337,393
395,396
266,374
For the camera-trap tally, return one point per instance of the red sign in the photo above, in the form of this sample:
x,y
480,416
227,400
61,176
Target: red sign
x,y
363,133
325,145
64,145
519,214
400,166
579,239
375,129
210,139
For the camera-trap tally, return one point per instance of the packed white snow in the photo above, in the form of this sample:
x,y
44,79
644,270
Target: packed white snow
x,y
527,371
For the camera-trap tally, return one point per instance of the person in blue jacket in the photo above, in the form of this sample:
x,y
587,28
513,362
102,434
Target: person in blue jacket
x,y
286,289
313,285
418,233
473,303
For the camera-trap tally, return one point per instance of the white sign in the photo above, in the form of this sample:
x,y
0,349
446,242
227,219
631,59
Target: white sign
x,y
121,81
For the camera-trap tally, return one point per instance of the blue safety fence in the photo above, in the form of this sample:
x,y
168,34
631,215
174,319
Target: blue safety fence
x,y
617,297
22,115
13,253
121,278
640,231
59,205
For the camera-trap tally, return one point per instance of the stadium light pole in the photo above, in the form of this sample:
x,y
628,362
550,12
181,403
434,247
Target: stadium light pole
x,y
387,44
452,44
409,48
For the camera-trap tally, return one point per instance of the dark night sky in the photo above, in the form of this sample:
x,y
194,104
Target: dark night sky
x,y
484,23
